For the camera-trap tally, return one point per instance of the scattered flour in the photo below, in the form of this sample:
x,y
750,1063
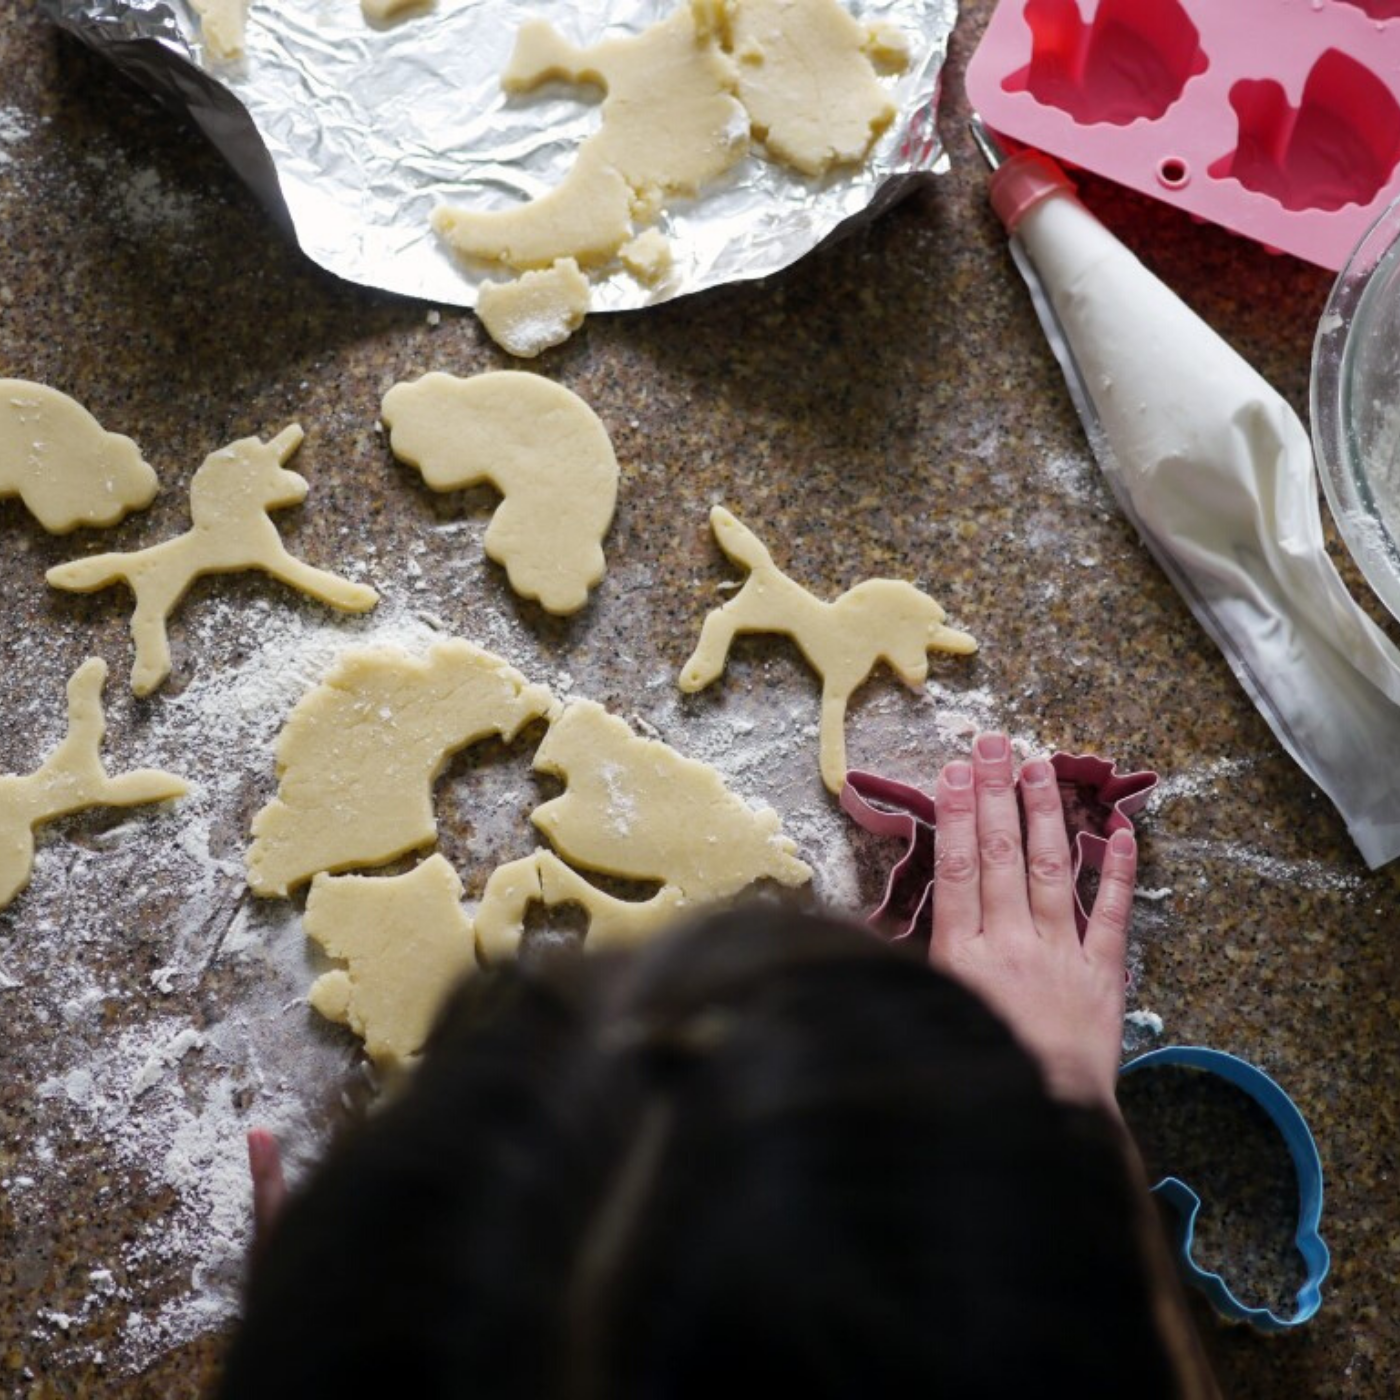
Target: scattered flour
x,y
169,1005
15,128
134,1067
1145,1020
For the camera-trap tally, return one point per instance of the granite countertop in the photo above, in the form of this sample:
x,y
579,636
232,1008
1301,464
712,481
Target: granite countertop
x,y
888,406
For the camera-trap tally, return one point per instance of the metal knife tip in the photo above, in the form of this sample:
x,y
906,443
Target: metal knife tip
x,y
986,142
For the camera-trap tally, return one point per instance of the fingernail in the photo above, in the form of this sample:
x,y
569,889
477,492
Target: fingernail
x,y
1121,843
958,775
992,748
1036,772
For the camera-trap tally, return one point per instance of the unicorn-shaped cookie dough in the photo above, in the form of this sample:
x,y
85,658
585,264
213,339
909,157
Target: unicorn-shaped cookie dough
x,y
230,498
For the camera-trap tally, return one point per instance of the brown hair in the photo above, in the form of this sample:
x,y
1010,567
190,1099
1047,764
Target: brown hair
x,y
766,1152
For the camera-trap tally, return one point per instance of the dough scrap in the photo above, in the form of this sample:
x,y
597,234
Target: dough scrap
x,y
230,497
535,312
70,779
405,942
878,620
386,11
648,256
636,808
670,124
57,458
223,26
358,757
544,879
541,447
807,81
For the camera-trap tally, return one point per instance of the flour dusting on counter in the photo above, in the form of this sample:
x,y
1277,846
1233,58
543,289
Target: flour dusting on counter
x,y
155,1075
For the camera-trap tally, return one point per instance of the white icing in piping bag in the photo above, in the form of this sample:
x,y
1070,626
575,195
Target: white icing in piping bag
x,y
1216,473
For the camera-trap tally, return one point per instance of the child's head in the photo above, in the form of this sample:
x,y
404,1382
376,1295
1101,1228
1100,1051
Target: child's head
x,y
767,1154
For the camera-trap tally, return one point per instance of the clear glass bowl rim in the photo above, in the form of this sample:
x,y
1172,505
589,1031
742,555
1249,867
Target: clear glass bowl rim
x,y
1339,460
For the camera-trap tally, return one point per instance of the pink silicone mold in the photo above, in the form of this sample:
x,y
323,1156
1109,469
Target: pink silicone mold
x,y
1277,118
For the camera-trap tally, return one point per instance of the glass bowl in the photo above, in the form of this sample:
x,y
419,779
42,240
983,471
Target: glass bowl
x,y
1355,405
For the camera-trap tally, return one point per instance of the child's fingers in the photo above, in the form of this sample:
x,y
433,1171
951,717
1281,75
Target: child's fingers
x,y
957,897
269,1185
1005,905
1048,866
1106,938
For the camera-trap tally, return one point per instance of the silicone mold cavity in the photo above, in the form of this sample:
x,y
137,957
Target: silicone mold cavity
x,y
1377,9
1128,62
1338,147
1277,118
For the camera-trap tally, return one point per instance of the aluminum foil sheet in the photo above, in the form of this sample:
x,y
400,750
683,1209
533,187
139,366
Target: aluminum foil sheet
x,y
353,133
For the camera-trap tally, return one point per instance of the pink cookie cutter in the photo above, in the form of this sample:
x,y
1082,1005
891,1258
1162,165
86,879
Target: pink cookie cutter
x,y
1098,800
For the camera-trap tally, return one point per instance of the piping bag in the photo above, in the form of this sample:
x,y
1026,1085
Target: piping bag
x,y
1216,473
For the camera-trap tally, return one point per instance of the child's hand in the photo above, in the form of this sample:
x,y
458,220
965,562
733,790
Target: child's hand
x,y
269,1186
1003,919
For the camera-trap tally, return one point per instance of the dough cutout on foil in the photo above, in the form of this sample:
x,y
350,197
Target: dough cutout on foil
x,y
541,447
358,757
230,497
807,79
877,620
670,124
63,465
223,26
71,779
676,115
405,942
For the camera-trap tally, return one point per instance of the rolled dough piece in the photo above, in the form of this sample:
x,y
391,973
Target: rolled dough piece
x,y
57,458
636,808
70,779
222,25
359,755
541,447
536,311
806,78
878,620
543,878
670,124
405,942
230,497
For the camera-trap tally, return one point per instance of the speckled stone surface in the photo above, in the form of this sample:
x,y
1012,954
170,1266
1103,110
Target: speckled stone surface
x,y
887,406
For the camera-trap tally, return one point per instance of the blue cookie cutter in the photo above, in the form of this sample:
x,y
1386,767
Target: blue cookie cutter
x,y
1306,1164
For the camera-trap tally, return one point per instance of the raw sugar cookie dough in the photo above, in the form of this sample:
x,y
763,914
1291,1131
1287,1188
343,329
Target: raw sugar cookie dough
x,y
230,497
63,465
637,809
541,447
670,123
356,764
405,942
71,779
223,25
807,80
681,99
878,620
542,878
359,754
537,311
